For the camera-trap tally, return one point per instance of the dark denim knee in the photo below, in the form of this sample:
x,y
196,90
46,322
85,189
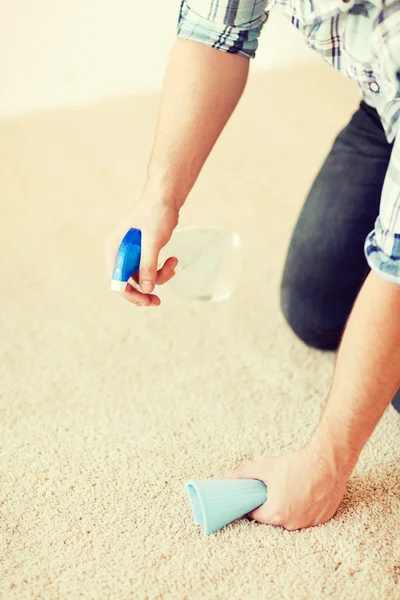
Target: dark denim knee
x,y
301,317
396,402
306,323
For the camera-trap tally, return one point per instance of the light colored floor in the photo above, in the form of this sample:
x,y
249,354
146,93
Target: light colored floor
x,y
59,54
106,411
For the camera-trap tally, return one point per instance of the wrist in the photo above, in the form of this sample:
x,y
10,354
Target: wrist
x,y
335,448
164,190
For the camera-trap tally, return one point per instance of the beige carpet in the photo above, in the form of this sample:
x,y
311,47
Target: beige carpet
x,y
107,410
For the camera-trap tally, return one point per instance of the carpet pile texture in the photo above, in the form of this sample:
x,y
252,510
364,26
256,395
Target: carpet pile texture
x,y
107,410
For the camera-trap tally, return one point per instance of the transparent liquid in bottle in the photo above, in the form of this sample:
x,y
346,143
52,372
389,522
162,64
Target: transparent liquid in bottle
x,y
209,265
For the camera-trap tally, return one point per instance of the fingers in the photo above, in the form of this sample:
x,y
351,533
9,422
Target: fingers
x,y
164,274
148,264
167,271
136,297
147,276
262,514
255,470
249,471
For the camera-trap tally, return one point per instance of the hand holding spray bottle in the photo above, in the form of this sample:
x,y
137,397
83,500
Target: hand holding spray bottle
x,y
208,268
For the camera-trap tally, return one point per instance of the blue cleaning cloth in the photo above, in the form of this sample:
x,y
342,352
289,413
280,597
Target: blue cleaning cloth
x,y
217,502
127,261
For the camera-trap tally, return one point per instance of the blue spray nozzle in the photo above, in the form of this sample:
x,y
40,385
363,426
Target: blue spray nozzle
x,y
127,261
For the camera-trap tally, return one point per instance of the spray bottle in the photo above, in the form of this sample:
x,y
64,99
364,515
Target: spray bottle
x,y
209,262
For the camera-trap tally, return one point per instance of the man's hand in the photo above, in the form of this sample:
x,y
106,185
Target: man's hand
x,y
156,220
201,89
303,489
306,487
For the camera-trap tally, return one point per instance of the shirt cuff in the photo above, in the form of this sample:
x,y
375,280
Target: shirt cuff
x,y
241,39
388,266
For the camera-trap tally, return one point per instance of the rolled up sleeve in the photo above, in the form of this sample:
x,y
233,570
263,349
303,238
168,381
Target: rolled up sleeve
x,y
382,246
230,25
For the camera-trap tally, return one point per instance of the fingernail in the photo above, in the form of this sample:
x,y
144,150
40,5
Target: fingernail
x,y
174,263
146,287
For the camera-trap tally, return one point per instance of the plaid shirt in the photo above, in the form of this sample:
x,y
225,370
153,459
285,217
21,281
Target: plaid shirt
x,y
359,38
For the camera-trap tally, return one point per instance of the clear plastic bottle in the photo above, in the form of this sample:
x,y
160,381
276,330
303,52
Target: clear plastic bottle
x,y
209,262
209,265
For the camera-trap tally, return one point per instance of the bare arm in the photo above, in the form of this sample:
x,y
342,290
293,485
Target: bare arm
x,y
367,374
305,487
201,89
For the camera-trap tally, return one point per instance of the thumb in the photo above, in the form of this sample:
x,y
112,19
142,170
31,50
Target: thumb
x,y
252,470
148,264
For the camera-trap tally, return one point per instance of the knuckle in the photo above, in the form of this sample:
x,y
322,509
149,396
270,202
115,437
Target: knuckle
x,y
280,517
277,518
135,301
291,526
259,517
148,271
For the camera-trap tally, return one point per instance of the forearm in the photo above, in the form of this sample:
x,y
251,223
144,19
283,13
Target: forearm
x,y
201,89
367,374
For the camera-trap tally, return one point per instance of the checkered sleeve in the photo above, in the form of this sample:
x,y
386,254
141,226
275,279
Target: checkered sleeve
x,y
382,246
229,25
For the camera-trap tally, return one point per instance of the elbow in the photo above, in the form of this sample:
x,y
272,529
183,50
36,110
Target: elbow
x,y
382,251
226,34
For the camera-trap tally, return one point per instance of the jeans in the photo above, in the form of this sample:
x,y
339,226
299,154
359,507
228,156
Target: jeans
x,y
325,266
